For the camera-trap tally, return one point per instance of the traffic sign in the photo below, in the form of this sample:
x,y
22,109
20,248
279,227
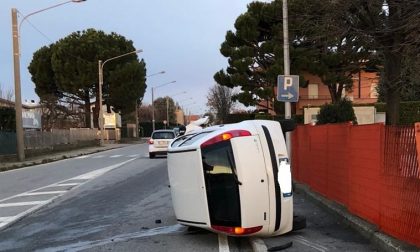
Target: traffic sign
x,y
288,88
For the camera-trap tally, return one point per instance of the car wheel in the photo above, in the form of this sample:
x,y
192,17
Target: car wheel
x,y
151,155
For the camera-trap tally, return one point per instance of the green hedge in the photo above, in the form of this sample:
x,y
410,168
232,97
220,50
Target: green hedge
x,y
409,111
7,119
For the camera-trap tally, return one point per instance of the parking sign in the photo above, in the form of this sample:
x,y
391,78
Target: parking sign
x,y
288,88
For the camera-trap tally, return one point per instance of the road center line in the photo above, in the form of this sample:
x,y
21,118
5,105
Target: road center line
x,y
223,243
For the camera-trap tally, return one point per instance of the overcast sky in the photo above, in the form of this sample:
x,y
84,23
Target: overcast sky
x,y
181,37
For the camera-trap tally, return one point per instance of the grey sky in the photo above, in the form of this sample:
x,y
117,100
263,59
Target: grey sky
x,y
182,37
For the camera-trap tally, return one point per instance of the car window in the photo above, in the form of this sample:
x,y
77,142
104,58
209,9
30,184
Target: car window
x,y
194,138
163,135
221,184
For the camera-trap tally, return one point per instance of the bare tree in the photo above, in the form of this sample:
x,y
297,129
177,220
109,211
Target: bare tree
x,y
7,94
219,100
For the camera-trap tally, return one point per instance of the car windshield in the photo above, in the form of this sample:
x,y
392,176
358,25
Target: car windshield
x,y
163,135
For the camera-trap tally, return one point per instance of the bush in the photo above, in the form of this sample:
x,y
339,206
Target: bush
x,y
409,111
7,119
339,112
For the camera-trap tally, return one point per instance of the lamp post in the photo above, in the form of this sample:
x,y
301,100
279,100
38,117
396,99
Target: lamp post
x,y
16,67
101,82
153,101
137,105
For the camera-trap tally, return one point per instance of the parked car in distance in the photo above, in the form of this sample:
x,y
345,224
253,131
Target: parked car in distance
x,y
159,141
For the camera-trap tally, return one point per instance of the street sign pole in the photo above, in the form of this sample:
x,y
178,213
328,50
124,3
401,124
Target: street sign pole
x,y
286,56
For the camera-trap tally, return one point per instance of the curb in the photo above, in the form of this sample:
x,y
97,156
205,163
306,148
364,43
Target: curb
x,y
45,160
371,232
257,244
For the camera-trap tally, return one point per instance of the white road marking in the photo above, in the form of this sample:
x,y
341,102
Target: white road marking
x,y
85,245
43,193
115,156
2,219
82,157
133,156
308,243
8,220
223,243
27,203
65,184
99,156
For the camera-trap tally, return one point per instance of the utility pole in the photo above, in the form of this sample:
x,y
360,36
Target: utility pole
x,y
101,114
18,97
286,56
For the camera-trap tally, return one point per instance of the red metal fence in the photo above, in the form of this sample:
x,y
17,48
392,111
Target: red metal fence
x,y
370,169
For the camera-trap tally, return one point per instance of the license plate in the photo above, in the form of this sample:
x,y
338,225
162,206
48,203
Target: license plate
x,y
161,142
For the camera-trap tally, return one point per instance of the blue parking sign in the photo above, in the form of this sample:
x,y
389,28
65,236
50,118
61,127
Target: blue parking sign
x,y
288,88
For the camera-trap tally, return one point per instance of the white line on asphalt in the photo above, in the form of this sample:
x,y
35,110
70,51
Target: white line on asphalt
x,y
65,184
82,157
308,243
27,203
40,204
115,156
99,156
133,156
42,193
223,243
2,219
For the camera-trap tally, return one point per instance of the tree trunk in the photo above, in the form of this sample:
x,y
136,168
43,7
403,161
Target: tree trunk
x,y
392,74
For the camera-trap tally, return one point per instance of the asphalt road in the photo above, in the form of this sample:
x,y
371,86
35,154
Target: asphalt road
x,y
119,200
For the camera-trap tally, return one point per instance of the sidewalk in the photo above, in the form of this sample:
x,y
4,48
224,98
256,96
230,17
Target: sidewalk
x,y
371,232
42,159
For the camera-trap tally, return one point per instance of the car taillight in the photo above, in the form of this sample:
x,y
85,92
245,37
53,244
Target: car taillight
x,y
226,136
237,230
150,141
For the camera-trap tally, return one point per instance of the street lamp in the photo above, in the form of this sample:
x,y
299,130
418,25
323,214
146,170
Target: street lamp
x,y
101,82
161,72
153,101
16,67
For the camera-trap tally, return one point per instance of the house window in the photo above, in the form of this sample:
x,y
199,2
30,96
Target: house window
x,y
373,91
313,91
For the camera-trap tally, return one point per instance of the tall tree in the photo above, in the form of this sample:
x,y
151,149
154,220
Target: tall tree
x,y
68,69
255,50
164,105
393,27
220,101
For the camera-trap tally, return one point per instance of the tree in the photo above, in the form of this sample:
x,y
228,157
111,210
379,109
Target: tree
x,y
6,94
165,105
145,113
255,50
393,27
339,112
220,101
68,71
125,97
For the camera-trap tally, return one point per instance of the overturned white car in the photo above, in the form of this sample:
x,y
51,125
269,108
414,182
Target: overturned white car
x,y
233,179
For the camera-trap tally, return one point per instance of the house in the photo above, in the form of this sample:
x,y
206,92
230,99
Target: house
x,y
31,113
316,94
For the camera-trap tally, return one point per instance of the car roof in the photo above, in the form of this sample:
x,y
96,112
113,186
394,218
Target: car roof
x,y
163,130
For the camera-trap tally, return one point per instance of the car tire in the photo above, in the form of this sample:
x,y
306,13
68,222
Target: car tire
x,y
151,155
